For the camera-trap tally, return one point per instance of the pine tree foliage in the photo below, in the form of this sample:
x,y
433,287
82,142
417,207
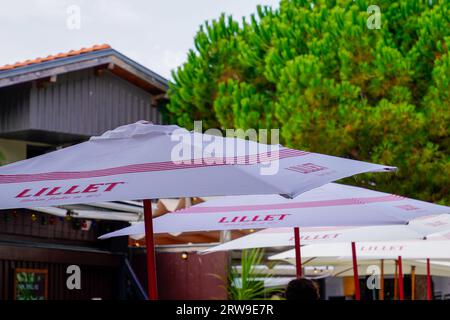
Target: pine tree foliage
x,y
332,85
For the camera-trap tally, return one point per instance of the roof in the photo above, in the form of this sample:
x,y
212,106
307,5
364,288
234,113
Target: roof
x,y
71,53
73,60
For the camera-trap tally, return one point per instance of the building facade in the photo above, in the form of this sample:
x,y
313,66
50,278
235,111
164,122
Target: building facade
x,y
50,103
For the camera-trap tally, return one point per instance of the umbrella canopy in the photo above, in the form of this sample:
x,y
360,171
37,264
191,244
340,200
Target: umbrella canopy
x,y
430,227
330,205
365,268
320,269
432,249
143,160
344,256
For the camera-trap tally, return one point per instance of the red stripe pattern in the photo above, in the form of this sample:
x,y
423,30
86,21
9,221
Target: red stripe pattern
x,y
294,205
307,230
154,166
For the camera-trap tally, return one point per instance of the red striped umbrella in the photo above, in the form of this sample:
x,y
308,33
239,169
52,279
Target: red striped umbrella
x,y
146,161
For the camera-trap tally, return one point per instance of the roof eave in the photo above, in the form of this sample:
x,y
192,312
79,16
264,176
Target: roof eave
x,y
79,62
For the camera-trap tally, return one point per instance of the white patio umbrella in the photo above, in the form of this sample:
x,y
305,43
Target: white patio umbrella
x,y
340,253
326,267
388,267
373,250
329,267
392,267
430,227
330,205
146,161
381,269
344,268
378,270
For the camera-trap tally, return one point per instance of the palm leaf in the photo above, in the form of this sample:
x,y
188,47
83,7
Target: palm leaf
x,y
245,284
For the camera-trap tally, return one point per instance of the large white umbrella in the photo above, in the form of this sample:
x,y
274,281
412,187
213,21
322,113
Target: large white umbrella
x,y
329,205
365,267
373,250
397,250
429,227
145,161
141,160
432,227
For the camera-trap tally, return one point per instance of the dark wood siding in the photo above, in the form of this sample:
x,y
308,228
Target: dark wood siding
x,y
96,282
197,278
15,108
85,103
19,225
39,244
200,277
76,106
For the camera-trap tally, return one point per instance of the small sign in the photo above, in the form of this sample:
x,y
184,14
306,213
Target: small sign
x,y
30,284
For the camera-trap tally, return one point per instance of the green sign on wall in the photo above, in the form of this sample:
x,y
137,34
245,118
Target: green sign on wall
x,y
30,284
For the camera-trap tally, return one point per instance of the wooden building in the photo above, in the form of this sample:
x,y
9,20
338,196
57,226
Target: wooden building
x,y
69,97
49,103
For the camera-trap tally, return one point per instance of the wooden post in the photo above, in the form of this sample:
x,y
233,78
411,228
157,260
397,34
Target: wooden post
x,y
413,282
429,295
381,294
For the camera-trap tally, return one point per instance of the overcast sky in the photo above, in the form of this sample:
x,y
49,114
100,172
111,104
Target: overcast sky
x,y
155,33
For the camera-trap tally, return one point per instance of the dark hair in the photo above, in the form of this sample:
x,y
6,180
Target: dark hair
x,y
302,289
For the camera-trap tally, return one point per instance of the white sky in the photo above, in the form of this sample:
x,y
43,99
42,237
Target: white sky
x,y
155,33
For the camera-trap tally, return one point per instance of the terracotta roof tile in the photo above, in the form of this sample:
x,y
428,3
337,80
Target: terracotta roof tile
x,y
71,53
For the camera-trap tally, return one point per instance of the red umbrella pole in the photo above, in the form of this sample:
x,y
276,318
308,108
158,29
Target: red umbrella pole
x,y
381,296
355,273
429,296
298,255
400,279
150,246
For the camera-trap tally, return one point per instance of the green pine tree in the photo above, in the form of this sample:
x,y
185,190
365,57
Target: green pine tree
x,y
332,85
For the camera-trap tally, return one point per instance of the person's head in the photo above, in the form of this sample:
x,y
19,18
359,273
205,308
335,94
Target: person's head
x,y
302,289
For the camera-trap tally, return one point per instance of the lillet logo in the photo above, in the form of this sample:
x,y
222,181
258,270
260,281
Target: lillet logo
x,y
70,190
254,218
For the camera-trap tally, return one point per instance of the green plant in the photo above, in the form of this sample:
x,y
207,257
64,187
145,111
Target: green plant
x,y
247,283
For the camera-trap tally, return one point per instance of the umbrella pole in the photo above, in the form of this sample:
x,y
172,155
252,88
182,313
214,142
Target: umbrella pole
x,y
150,246
400,279
381,297
298,255
355,273
429,297
413,282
